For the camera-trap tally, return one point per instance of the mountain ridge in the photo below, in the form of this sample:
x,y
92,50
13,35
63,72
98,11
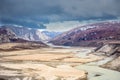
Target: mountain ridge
x,y
31,34
89,35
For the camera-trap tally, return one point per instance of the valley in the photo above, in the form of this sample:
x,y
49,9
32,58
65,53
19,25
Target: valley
x,y
58,63
59,39
90,52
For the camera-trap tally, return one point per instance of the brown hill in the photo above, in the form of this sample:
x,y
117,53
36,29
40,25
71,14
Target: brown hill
x,y
89,35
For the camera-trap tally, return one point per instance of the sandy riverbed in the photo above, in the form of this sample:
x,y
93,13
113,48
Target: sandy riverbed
x,y
49,64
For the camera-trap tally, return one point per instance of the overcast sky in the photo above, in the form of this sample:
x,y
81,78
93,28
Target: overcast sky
x,y
47,11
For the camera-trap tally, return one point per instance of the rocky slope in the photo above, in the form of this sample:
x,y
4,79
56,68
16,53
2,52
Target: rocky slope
x,y
31,34
114,64
12,42
112,51
89,35
6,35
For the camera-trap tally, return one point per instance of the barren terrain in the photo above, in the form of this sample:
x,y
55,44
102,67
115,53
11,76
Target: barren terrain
x,y
48,64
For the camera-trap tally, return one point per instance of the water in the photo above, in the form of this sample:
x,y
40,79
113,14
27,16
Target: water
x,y
94,71
97,73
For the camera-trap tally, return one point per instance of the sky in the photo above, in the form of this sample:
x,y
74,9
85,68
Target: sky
x,y
50,13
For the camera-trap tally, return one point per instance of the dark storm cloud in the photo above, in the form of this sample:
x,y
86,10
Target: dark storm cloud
x,y
59,9
27,7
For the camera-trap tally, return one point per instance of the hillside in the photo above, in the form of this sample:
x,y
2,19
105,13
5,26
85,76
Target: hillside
x,y
6,35
112,51
31,34
89,35
9,41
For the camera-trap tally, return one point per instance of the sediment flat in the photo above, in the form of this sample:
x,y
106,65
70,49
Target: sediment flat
x,y
46,63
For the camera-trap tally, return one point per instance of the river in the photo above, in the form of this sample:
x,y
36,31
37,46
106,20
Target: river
x,y
97,73
94,71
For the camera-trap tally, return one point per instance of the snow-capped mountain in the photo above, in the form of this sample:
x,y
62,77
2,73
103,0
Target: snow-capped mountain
x,y
15,43
31,34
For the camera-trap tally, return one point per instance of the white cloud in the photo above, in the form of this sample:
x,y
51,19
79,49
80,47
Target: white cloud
x,y
66,25
62,26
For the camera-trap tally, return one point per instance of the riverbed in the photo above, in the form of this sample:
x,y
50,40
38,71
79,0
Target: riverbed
x,y
78,58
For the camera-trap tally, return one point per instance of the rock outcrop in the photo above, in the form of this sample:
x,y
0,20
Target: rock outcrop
x,y
6,35
109,49
112,51
114,64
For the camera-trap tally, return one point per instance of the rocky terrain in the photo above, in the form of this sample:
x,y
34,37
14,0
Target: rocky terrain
x,y
114,64
89,35
6,35
9,41
112,50
59,63
31,34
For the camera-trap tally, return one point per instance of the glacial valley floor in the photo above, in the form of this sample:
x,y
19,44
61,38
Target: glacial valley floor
x,y
52,64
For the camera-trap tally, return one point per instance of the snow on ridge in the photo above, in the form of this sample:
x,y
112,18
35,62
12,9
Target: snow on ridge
x,y
85,27
41,35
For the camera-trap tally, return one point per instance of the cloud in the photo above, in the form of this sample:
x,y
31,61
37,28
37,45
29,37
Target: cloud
x,y
58,10
62,26
79,8
28,7
22,22
91,8
67,25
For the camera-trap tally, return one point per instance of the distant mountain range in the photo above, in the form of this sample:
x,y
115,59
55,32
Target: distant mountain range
x,y
10,39
89,35
31,34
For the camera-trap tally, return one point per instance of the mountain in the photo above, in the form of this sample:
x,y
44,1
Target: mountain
x,y
31,34
9,41
89,35
6,35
